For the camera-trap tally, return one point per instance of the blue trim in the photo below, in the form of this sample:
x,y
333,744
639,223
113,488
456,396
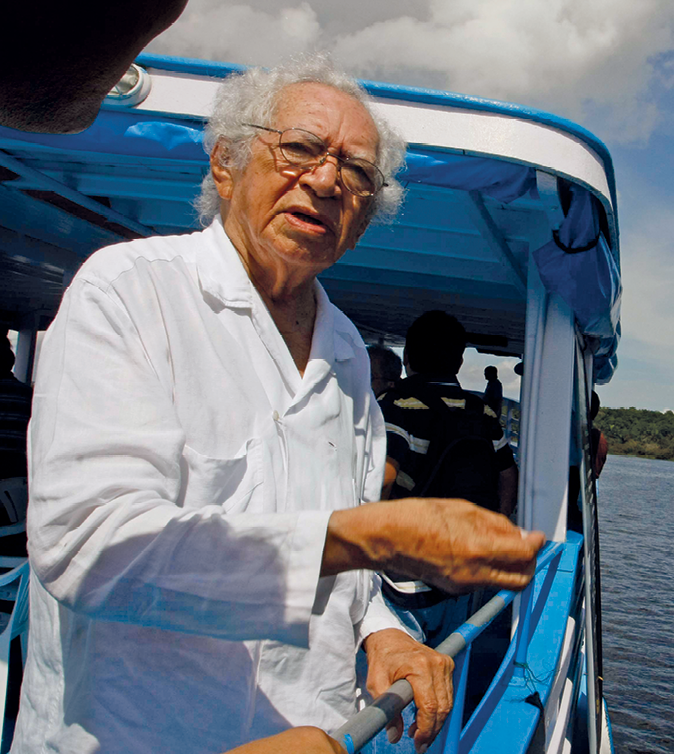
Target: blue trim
x,y
189,65
348,742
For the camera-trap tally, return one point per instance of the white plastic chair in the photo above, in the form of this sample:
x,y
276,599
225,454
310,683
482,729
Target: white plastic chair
x,y
13,582
14,498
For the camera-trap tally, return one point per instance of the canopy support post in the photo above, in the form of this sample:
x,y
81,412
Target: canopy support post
x,y
488,229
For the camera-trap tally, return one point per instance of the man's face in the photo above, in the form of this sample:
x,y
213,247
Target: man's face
x,y
301,221
377,380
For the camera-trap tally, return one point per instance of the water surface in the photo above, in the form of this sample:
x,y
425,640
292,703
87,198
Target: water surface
x,y
636,515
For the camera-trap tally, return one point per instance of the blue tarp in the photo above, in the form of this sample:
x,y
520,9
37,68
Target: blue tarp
x,y
578,265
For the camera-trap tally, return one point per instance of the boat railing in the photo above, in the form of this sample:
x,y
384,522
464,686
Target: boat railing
x,y
510,421
365,725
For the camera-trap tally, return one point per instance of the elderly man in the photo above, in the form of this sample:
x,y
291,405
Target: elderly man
x,y
204,434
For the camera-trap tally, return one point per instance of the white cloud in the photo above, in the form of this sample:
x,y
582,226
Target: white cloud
x,y
471,374
214,30
591,61
648,272
559,55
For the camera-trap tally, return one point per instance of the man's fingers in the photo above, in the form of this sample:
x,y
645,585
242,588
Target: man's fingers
x,y
433,696
394,730
392,654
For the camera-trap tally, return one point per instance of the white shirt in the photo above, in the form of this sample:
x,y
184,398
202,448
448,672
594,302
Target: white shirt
x,y
182,477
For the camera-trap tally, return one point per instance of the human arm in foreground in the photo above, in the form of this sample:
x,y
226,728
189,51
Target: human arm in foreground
x,y
304,740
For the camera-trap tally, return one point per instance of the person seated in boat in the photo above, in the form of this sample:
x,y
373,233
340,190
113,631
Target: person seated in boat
x,y
442,441
598,454
385,369
204,445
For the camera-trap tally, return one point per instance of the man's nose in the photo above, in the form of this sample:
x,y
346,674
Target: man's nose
x,y
324,177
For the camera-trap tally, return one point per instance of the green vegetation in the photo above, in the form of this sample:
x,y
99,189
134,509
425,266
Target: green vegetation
x,y
635,432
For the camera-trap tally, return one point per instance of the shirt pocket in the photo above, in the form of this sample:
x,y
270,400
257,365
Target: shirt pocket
x,y
234,484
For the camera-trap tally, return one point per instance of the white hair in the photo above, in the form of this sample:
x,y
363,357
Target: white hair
x,y
253,97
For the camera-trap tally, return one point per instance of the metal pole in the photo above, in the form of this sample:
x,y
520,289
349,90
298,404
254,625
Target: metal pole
x,y
50,184
365,725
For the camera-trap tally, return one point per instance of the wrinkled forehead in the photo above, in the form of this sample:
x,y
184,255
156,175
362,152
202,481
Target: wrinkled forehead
x,y
328,112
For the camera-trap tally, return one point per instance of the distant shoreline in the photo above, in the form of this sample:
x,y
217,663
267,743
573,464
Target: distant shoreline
x,y
638,432
637,455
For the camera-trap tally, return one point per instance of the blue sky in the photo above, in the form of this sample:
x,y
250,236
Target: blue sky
x,y
606,64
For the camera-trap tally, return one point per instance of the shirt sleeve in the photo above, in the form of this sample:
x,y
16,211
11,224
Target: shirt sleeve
x,y
378,615
107,535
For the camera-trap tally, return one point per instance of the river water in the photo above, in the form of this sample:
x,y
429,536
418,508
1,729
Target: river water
x,y
636,515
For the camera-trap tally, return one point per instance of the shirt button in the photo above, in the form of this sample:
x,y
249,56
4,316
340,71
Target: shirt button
x,y
275,416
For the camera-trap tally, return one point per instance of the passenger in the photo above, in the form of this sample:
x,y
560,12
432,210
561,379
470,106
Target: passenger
x,y
204,434
598,441
385,369
441,442
493,393
598,454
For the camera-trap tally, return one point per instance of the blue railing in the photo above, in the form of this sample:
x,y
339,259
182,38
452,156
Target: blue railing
x,y
510,421
361,728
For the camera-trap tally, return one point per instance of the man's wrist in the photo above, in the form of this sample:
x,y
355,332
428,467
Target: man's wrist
x,y
357,538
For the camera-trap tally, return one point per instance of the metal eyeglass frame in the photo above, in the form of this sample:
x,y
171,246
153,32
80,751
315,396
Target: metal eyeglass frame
x,y
341,161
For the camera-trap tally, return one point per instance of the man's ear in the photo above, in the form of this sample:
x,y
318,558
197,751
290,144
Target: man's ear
x,y
222,175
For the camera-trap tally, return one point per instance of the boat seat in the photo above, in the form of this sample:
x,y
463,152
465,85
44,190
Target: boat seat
x,y
14,498
13,508
12,626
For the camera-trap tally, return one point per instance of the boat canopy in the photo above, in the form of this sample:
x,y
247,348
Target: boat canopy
x,y
521,186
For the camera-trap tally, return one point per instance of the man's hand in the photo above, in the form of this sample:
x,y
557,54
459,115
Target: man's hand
x,y
391,655
451,544
305,740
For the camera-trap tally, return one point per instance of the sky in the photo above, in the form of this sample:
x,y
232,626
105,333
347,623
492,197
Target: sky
x,y
605,64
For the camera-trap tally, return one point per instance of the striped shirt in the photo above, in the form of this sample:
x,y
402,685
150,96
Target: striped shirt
x,y
411,425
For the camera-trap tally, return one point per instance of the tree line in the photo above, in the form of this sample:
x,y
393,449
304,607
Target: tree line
x,y
637,432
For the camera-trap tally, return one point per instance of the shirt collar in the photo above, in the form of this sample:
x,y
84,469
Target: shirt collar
x,y
223,276
220,269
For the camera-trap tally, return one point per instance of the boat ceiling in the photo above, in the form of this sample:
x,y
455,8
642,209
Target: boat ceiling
x,y
64,197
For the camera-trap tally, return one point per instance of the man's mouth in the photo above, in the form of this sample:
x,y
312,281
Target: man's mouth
x,y
309,220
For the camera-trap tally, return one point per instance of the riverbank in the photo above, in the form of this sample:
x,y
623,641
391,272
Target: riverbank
x,y
638,432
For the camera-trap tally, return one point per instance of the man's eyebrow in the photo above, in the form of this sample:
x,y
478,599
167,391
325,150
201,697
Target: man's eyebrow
x,y
341,153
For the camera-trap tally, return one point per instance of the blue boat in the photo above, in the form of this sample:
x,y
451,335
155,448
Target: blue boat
x,y
509,222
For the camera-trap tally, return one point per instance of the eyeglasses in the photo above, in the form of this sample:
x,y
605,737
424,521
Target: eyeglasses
x,y
308,151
